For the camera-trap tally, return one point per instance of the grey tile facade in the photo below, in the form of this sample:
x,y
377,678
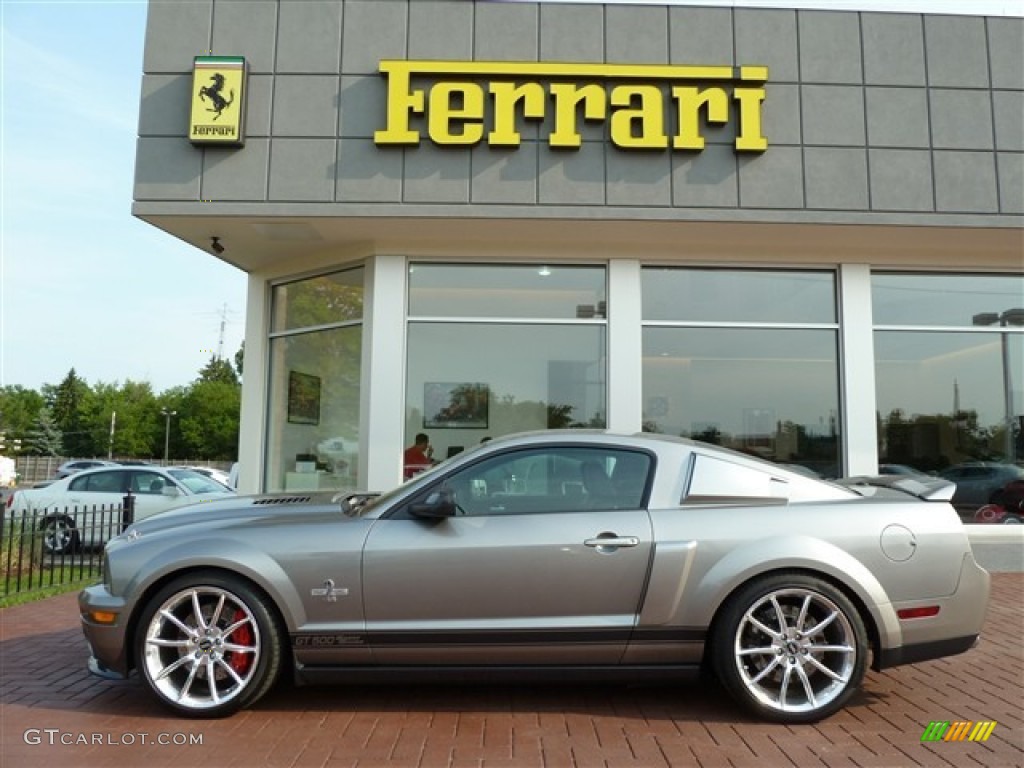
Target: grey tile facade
x,y
866,113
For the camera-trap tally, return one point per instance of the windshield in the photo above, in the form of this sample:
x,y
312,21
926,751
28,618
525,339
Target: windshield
x,y
197,483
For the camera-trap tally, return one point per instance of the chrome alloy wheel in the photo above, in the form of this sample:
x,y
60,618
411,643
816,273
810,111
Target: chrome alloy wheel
x,y
795,651
202,648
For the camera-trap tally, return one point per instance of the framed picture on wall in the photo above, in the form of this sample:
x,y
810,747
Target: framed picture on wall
x,y
455,405
303,398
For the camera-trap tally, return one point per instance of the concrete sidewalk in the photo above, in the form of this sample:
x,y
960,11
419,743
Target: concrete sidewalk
x,y
53,713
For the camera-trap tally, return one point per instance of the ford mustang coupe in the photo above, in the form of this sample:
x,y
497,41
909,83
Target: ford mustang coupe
x,y
565,553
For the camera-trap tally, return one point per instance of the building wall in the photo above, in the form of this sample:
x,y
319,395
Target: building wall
x,y
895,142
870,117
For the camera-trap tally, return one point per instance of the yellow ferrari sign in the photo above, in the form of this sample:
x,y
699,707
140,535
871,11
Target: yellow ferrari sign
x,y
218,101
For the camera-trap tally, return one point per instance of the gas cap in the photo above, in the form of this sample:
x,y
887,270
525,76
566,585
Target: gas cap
x,y
898,543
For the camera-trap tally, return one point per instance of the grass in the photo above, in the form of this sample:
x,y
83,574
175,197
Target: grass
x,y
27,575
20,598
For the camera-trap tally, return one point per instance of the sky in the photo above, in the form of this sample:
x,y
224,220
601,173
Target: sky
x,y
83,284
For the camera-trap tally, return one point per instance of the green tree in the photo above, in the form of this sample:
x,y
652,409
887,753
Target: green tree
x,y
208,420
218,369
137,424
19,408
44,438
69,406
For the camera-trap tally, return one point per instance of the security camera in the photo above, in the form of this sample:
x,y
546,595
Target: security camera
x,y
216,246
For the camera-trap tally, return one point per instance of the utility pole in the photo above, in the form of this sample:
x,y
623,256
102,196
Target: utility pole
x,y
110,442
223,322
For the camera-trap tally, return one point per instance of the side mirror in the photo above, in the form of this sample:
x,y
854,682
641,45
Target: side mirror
x,y
438,504
171,490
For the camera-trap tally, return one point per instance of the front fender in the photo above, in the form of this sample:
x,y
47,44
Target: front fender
x,y
227,554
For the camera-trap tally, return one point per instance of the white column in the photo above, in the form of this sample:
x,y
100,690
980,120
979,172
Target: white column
x,y
382,389
857,364
625,346
252,430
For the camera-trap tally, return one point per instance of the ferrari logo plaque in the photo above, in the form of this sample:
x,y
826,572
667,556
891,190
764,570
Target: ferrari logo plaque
x,y
218,101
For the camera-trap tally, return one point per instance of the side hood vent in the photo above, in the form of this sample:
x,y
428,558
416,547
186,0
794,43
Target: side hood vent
x,y
278,501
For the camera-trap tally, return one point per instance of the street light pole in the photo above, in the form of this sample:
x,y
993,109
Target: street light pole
x,y
1011,317
167,431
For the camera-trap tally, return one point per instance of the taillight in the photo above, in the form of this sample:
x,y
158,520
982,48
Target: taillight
x,y
924,612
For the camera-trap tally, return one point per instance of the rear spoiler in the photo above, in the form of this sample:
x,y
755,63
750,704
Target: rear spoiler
x,y
937,489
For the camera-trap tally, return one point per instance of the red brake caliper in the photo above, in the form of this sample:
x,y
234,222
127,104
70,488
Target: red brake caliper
x,y
240,662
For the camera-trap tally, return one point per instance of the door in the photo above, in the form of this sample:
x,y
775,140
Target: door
x,y
544,563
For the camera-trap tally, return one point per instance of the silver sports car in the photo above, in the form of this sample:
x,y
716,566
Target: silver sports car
x,y
565,553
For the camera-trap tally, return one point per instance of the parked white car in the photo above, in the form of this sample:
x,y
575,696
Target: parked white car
x,y
69,510
213,473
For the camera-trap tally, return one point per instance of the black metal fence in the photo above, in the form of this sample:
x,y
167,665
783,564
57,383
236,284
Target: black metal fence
x,y
47,548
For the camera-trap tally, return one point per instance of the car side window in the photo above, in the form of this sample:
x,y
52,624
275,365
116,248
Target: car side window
x,y
556,479
100,482
719,481
148,483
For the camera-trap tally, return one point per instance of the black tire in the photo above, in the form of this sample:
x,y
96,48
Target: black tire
x,y
1011,520
236,643
60,537
768,661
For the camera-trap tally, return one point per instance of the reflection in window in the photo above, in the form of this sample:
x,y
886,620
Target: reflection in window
x,y
467,381
324,300
951,401
313,430
508,291
947,300
771,392
738,296
559,479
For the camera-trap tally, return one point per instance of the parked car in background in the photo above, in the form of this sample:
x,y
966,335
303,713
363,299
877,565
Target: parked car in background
x,y
901,469
69,468
564,553
65,509
979,483
1007,506
213,473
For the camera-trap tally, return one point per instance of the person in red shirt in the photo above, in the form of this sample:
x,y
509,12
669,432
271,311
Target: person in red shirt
x,y
417,457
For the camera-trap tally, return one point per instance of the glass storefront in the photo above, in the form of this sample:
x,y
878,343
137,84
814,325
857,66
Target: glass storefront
x,y
949,365
747,359
500,349
315,359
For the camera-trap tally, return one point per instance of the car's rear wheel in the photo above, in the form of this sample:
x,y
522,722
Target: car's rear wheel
x,y
790,647
1011,520
209,644
60,536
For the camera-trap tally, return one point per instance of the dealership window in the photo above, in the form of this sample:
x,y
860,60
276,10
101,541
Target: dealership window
x,y
747,359
315,354
949,357
495,349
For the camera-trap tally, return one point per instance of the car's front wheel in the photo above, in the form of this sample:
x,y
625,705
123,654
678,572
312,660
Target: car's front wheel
x,y
60,537
790,647
209,644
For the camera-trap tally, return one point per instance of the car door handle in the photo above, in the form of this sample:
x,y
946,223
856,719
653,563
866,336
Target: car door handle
x,y
603,542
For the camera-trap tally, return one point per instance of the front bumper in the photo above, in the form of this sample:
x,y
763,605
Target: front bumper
x,y
107,641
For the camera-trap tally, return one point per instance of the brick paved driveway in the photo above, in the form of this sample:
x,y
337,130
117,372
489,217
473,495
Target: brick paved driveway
x,y
48,698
